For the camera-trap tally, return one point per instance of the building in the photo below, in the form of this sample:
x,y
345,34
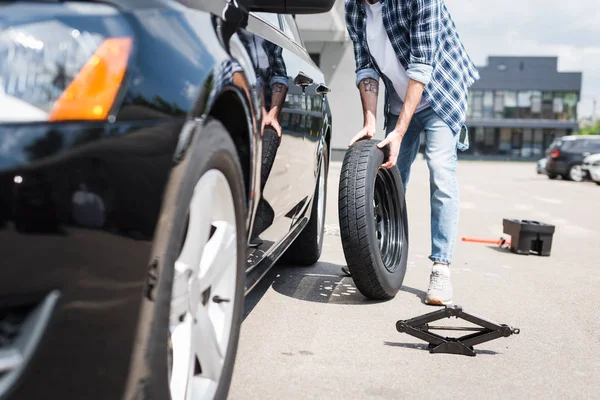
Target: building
x,y
520,105
516,109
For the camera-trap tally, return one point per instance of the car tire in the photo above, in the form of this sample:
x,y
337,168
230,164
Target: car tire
x,y
373,221
552,176
306,249
574,173
210,159
265,215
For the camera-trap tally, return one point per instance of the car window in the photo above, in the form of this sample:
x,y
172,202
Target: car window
x,y
270,18
593,146
582,145
290,28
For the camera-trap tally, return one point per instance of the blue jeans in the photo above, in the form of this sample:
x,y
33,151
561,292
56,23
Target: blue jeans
x,y
442,160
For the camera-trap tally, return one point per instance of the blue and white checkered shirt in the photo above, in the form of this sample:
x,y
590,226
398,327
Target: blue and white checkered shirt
x,y
427,45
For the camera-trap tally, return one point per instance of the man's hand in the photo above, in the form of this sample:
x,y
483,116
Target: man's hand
x,y
269,119
394,140
366,133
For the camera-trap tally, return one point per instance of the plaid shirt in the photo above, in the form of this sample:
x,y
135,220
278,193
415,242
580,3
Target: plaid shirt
x,y
426,43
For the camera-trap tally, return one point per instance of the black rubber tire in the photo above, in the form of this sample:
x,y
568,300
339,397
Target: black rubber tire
x,y
377,272
270,144
212,148
552,176
265,213
306,249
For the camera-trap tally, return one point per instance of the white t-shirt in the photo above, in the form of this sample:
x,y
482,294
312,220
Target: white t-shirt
x,y
382,51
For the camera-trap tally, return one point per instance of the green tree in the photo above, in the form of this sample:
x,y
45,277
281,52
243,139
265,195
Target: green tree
x,y
590,130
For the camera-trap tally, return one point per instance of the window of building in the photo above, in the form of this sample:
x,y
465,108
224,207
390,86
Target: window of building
x,y
505,140
536,103
527,146
538,142
570,106
498,104
488,104
524,103
510,104
490,138
558,105
477,104
547,105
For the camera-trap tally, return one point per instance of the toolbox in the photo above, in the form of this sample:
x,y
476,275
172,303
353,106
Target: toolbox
x,y
529,237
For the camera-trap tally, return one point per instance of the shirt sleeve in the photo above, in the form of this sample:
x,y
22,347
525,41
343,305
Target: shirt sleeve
x,y
364,67
424,34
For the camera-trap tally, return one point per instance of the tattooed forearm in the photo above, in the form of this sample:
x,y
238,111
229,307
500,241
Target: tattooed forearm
x,y
278,94
369,88
370,85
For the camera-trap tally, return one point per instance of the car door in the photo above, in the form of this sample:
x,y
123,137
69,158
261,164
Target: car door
x,y
311,124
286,161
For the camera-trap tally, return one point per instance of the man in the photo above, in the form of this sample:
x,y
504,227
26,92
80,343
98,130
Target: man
x,y
413,46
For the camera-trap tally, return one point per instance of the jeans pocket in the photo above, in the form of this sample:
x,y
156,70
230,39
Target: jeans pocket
x,y
462,143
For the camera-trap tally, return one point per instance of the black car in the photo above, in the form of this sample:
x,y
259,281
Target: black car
x,y
157,158
565,156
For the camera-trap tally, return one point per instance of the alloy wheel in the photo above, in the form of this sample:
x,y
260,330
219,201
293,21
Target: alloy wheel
x,y
576,173
204,287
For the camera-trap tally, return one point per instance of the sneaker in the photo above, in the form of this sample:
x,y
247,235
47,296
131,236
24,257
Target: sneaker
x,y
440,288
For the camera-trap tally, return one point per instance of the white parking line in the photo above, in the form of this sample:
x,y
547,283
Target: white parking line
x,y
475,190
548,200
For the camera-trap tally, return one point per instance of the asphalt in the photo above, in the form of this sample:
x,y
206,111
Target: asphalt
x,y
308,333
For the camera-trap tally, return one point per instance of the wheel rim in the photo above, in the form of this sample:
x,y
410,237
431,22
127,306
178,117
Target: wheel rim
x,y
204,286
576,173
321,203
387,214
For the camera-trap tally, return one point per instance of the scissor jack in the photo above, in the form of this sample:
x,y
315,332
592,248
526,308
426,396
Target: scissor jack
x,y
419,327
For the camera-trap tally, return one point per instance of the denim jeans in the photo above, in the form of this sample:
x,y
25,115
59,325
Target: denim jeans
x,y
442,160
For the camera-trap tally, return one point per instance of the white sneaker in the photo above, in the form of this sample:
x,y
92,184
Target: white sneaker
x,y
440,290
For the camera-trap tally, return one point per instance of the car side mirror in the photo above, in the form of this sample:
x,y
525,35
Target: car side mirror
x,y
289,6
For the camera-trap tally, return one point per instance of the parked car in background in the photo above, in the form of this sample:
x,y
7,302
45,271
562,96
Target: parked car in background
x,y
541,166
565,156
591,168
157,158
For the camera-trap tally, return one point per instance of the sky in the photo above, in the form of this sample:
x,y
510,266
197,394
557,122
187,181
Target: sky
x,y
567,29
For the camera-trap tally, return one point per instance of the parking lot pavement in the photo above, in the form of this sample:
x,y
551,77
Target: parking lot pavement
x,y
309,333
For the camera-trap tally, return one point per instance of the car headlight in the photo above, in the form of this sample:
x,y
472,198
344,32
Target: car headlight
x,y
61,62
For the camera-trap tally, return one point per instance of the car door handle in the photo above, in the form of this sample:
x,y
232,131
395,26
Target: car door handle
x,y
322,89
302,79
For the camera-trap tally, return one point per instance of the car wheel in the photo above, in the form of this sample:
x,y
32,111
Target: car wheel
x,y
373,221
552,176
208,284
575,173
306,249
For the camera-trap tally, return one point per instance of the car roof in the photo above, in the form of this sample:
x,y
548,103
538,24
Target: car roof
x,y
576,137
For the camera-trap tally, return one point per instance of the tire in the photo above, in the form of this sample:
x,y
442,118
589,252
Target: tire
x,y
306,249
574,174
265,215
212,151
376,252
552,176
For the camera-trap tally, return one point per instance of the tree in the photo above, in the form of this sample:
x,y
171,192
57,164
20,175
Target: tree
x,y
590,130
